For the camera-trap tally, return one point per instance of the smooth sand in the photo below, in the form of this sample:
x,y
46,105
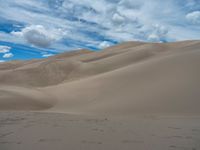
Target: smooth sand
x,y
121,84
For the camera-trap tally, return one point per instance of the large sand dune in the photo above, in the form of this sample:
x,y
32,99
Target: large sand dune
x,y
129,78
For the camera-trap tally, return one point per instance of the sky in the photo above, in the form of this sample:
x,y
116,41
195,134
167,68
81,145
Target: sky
x,y
42,28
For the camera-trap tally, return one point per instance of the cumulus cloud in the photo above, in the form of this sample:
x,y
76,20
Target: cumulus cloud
x,y
104,44
38,35
8,55
130,5
118,19
159,34
194,17
4,49
47,55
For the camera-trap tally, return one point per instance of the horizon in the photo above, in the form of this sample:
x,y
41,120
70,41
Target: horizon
x,y
79,49
45,28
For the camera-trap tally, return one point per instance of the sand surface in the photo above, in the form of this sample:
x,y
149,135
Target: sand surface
x,y
53,131
131,96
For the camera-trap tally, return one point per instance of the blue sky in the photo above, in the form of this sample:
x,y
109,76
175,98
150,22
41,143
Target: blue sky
x,y
41,28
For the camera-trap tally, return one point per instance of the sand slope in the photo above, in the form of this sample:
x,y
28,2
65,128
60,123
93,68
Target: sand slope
x,y
126,79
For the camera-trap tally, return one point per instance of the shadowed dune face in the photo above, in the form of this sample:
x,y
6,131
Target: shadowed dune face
x,y
130,78
19,98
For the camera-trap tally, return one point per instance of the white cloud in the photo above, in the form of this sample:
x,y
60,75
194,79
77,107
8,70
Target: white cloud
x,y
8,55
194,17
153,37
38,35
128,4
4,49
118,19
6,52
159,34
47,55
104,44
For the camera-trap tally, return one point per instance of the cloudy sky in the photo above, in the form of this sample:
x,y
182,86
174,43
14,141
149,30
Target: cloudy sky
x,y
41,28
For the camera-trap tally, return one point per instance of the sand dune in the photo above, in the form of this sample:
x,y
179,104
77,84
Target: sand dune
x,y
126,79
19,98
131,96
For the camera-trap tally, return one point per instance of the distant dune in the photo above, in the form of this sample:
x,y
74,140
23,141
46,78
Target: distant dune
x,y
126,79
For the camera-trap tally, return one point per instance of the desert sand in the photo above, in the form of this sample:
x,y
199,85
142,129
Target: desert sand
x,y
135,95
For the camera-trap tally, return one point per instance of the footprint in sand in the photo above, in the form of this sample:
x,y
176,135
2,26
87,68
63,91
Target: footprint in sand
x,y
132,141
49,140
175,136
10,142
180,147
91,142
174,128
189,137
5,134
98,130
172,146
196,130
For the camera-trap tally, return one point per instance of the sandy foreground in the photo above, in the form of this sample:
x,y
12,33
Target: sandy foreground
x,y
53,131
142,96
